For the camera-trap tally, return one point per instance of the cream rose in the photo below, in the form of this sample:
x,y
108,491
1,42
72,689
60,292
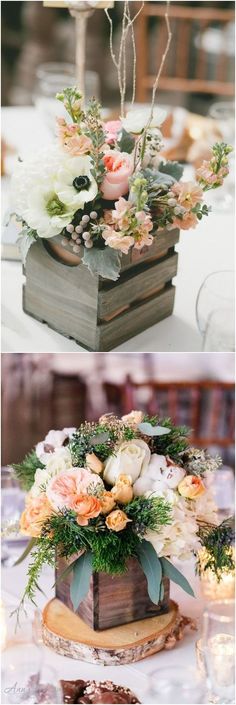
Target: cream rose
x,y
131,458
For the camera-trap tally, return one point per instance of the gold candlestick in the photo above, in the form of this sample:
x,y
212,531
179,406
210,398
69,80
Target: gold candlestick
x,y
81,10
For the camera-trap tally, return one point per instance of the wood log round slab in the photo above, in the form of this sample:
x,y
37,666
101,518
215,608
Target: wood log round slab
x,y
67,634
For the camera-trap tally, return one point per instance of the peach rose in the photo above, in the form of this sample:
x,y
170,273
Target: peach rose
x,y
191,487
86,507
63,489
119,166
107,502
123,490
93,463
117,520
37,510
133,418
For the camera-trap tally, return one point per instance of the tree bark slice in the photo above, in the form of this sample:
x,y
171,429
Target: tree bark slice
x,y
67,634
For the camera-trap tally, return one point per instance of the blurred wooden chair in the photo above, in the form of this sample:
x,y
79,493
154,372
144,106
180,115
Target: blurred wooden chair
x,y
68,402
206,407
187,67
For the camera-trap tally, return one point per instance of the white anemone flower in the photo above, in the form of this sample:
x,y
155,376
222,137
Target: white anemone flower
x,y
33,192
74,183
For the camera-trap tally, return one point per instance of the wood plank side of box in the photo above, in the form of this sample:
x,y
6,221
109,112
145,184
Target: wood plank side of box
x,y
113,600
97,313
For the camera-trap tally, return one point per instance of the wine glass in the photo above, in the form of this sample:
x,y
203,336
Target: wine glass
x,y
224,114
219,649
216,294
21,654
175,684
12,505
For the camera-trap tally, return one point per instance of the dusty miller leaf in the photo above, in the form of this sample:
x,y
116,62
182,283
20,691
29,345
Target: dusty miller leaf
x,y
174,169
125,141
105,262
24,243
150,430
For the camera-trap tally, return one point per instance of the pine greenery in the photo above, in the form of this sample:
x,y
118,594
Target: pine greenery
x,y
26,470
218,543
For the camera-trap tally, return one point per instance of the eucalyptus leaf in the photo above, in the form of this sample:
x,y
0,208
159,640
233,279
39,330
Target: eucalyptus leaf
x,y
152,568
173,169
82,571
26,552
125,141
65,572
105,262
24,243
150,430
100,438
174,574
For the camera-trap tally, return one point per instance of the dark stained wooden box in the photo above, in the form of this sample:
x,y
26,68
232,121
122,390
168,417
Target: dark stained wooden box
x,y
112,601
100,314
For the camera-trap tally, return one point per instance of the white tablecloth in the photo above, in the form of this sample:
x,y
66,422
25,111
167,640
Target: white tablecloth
x,y
207,249
134,675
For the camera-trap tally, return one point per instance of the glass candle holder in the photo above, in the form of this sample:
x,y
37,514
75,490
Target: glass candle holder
x,y
219,649
211,587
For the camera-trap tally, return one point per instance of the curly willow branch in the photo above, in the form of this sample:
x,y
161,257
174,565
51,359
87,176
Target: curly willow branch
x,y
120,62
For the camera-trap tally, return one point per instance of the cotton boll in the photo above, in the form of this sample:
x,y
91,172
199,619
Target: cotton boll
x,y
141,486
154,470
173,476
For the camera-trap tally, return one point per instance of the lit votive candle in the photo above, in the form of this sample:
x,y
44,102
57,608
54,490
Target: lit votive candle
x,y
220,655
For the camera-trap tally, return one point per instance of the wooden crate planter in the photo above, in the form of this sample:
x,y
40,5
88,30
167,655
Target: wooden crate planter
x,y
113,601
100,314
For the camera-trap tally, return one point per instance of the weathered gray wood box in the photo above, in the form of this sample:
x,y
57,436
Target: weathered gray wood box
x,y
100,314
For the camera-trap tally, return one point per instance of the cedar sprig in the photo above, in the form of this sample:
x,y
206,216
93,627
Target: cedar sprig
x,y
25,471
218,544
148,513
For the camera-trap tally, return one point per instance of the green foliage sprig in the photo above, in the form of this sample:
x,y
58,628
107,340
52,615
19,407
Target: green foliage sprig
x,y
218,543
26,470
99,439
71,98
172,444
94,130
148,513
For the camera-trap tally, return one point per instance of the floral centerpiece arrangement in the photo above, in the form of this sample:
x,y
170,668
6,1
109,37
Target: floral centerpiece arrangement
x,y
116,489
105,188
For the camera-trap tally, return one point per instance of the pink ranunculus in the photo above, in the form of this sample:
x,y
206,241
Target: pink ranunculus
x,y
119,167
188,192
117,241
112,129
63,488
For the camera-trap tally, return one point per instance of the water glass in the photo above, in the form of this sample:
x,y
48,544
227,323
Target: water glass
x,y
52,78
216,294
221,484
219,649
176,684
220,331
21,654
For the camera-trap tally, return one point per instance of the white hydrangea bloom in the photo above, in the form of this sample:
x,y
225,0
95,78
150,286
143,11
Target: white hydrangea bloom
x,y
179,538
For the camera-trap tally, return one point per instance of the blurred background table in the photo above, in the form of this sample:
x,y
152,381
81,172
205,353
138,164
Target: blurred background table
x,y
207,249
